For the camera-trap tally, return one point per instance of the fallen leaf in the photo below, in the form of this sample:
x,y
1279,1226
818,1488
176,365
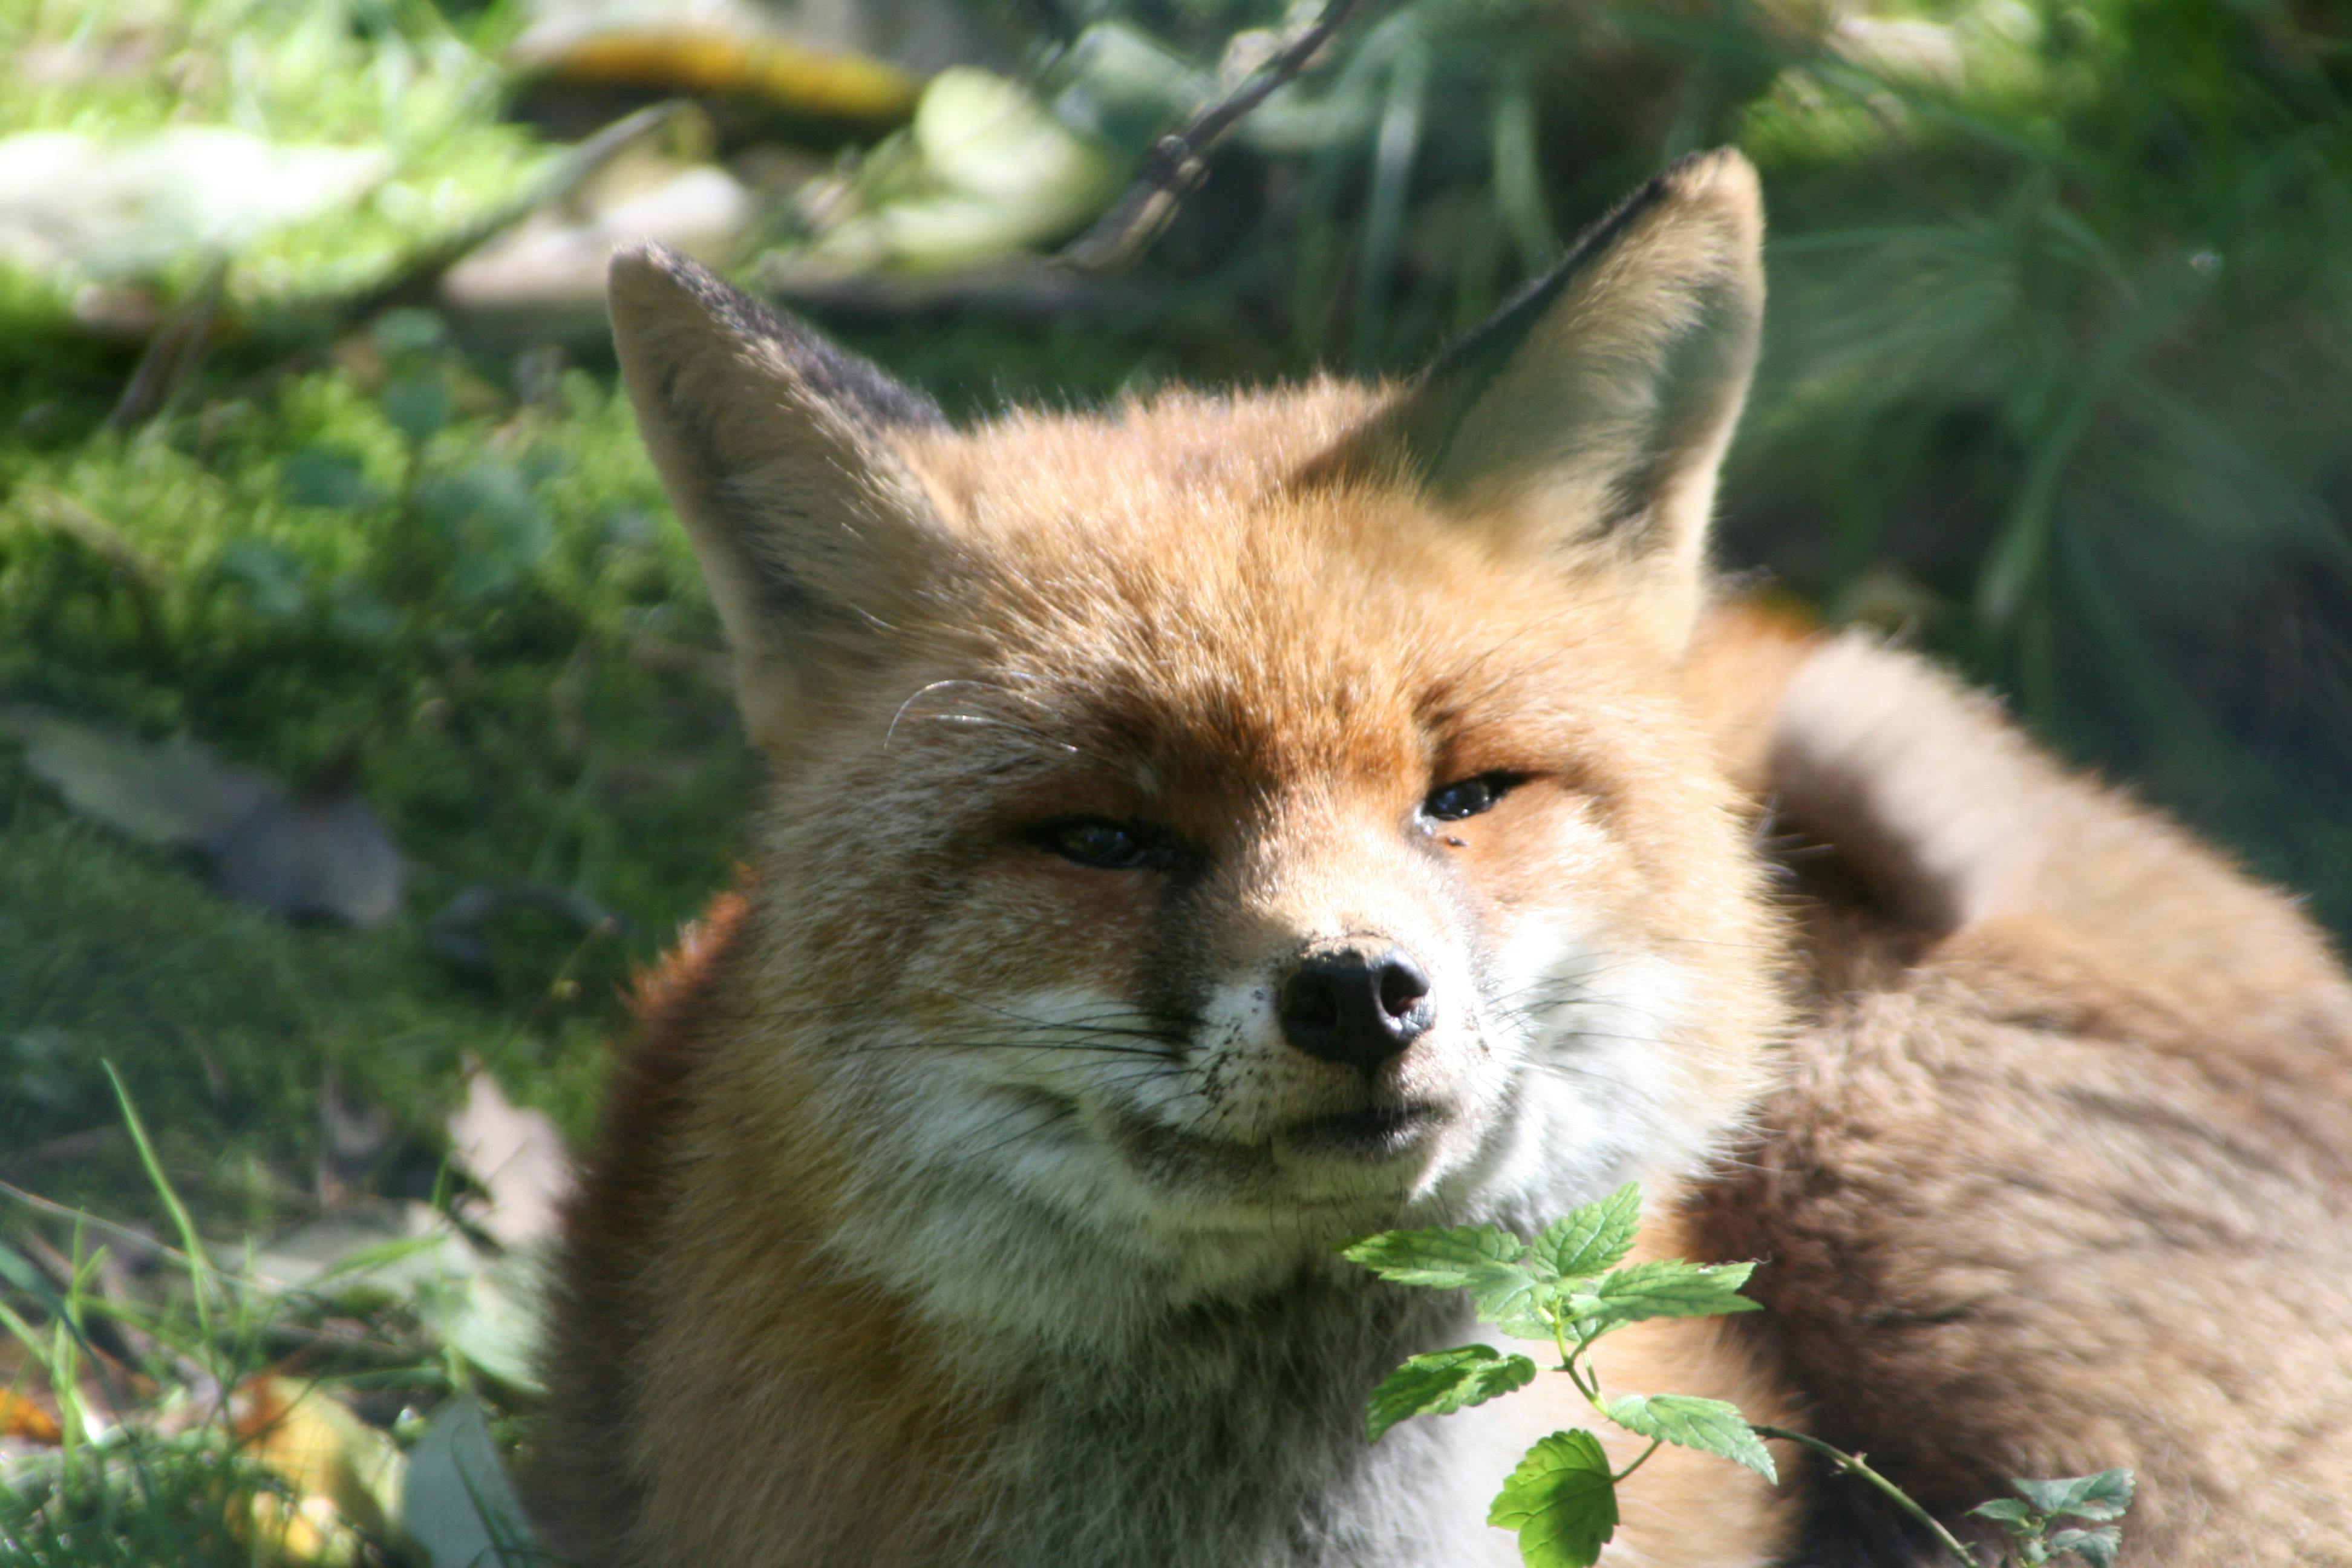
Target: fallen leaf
x,y
862,95
546,278
492,1319
346,1476
985,170
516,1155
458,1507
176,794
20,1417
325,856
294,856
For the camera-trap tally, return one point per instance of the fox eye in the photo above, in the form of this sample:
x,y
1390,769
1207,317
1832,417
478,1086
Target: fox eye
x,y
1104,845
1467,797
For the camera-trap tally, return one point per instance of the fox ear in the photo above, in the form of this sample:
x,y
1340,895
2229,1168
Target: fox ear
x,y
777,449
1593,412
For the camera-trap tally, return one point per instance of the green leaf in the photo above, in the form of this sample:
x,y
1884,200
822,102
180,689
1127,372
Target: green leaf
x,y
1709,1425
1443,1382
1442,1259
1592,1240
2097,1547
1514,1297
1670,1288
2101,1496
418,405
1562,1499
1528,1325
2006,1510
457,1506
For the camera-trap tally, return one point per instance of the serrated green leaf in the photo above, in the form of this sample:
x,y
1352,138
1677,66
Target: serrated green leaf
x,y
2105,1496
1443,1382
1528,1325
1592,1240
1709,1425
1562,1500
1512,1293
1441,1260
1670,1288
2006,1510
2097,1547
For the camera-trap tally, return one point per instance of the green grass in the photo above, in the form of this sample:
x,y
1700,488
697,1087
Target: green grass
x,y
156,1503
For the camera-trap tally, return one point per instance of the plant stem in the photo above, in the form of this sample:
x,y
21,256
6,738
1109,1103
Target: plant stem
x,y
1588,1382
1656,1444
1853,1465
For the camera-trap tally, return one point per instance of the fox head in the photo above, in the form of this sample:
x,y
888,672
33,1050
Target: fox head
x,y
1208,829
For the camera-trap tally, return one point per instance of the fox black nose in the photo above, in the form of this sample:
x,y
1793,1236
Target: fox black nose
x,y
1355,1007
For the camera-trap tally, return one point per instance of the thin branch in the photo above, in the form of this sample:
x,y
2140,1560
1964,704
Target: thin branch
x,y
414,276
1853,1465
173,354
417,274
1180,159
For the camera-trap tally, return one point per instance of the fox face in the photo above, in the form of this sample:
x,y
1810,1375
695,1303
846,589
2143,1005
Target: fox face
x,y
1206,830
1197,833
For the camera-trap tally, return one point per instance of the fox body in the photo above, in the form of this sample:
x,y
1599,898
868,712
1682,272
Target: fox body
x,y
1206,831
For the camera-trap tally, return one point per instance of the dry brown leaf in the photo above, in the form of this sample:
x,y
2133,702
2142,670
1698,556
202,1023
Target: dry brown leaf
x,y
20,1417
294,856
344,1474
516,1155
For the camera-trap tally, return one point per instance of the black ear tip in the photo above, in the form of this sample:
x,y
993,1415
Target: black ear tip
x,y
659,300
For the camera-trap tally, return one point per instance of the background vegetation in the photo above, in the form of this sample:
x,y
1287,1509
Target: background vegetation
x,y
2059,384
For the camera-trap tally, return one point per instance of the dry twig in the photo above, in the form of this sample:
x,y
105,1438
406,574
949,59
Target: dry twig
x,y
173,354
1180,159
417,276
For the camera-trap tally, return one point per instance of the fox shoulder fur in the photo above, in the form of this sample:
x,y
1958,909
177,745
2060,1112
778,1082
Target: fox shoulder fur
x,y
1207,830
2059,1174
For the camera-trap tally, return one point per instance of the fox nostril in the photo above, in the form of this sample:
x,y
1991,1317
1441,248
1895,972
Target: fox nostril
x,y
1310,1003
1349,1006
1402,984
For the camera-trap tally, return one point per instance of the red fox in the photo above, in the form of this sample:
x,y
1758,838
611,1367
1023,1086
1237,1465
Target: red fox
x,y
1206,831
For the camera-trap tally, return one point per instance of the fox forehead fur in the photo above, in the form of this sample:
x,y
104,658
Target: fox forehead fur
x,y
1020,1138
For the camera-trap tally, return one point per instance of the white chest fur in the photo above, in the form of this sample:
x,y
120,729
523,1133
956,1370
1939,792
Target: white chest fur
x,y
1236,1441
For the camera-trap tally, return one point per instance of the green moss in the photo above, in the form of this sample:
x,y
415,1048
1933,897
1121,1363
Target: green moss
x,y
490,631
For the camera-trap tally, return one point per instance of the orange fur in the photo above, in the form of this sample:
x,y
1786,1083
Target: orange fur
x,y
974,1195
